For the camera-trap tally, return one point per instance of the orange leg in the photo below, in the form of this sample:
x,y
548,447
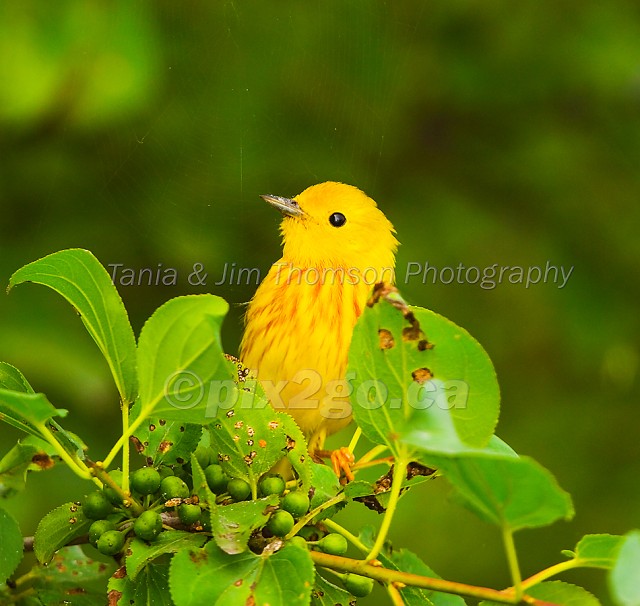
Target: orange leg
x,y
342,460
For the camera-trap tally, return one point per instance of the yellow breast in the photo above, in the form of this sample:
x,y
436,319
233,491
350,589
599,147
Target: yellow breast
x,y
298,331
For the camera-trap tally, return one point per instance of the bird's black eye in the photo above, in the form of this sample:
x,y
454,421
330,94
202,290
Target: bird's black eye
x,y
337,219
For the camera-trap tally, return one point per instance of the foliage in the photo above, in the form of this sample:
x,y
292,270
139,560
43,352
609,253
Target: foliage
x,y
422,390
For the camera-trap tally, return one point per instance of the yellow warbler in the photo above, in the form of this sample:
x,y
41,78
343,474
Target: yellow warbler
x,y
336,245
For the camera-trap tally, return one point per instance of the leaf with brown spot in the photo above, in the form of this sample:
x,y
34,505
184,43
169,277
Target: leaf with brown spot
x,y
72,578
417,469
283,578
421,375
327,594
58,528
137,444
233,524
166,443
42,460
151,587
386,338
371,502
252,421
169,541
30,454
423,345
412,332
393,396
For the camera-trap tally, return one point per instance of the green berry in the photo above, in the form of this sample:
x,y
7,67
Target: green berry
x,y
357,585
334,544
280,523
298,541
146,480
110,542
216,479
203,456
272,484
239,489
96,506
173,487
296,503
114,497
148,525
98,528
189,513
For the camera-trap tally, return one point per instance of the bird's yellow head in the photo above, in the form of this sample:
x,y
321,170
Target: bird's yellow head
x,y
335,225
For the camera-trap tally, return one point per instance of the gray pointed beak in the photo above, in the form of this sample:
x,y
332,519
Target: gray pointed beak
x,y
288,207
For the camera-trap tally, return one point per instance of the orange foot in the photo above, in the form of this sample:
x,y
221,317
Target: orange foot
x,y
342,460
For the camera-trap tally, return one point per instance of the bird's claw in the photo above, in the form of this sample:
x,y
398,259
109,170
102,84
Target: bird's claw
x,y
342,460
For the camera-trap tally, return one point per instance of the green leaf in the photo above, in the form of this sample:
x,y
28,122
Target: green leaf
x,y
57,528
140,553
327,594
432,430
31,454
11,552
498,446
233,524
623,577
13,380
211,576
325,485
72,578
27,411
597,550
150,589
180,362
559,592
80,278
200,486
513,492
297,451
162,441
395,353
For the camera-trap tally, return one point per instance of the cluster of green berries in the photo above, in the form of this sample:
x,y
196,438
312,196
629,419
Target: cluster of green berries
x,y
160,491
114,519
294,505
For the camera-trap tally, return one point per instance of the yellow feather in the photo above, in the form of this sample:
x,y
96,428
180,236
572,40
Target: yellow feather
x,y
299,324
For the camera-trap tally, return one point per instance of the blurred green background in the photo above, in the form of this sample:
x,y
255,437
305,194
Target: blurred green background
x,y
488,132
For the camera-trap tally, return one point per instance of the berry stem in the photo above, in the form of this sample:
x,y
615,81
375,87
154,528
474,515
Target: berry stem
x,y
399,473
512,559
352,538
386,576
547,573
354,440
98,470
125,446
304,520
371,455
394,594
76,465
